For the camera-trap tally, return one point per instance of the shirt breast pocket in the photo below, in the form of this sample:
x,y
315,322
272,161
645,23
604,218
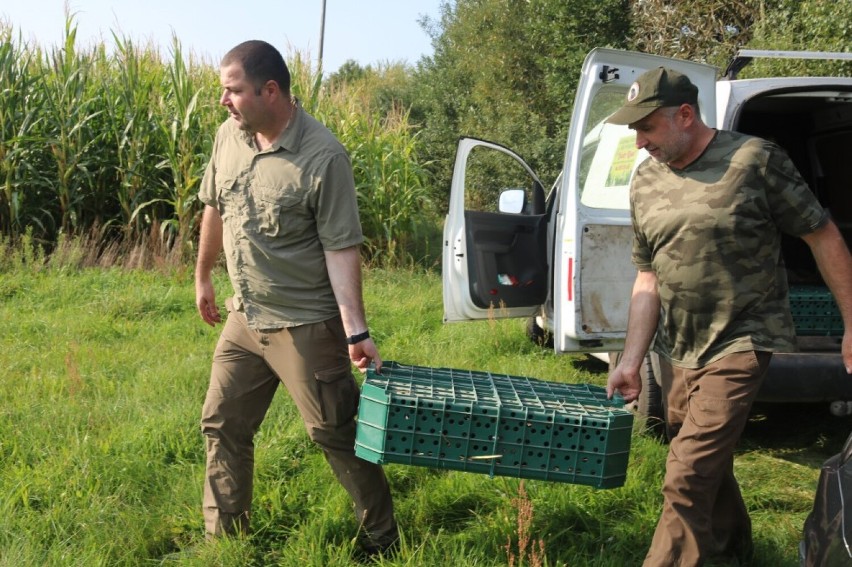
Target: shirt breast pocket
x,y
226,196
280,212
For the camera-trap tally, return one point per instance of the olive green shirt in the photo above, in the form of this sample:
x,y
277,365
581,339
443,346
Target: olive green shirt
x,y
711,232
281,208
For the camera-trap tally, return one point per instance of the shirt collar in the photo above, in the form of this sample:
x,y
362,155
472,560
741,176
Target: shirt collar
x,y
290,139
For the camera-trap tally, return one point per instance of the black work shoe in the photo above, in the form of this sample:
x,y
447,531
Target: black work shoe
x,y
368,551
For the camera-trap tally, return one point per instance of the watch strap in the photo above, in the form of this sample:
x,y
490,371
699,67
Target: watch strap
x,y
355,339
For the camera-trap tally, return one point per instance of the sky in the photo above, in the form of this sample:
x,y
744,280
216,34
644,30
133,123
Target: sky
x,y
371,32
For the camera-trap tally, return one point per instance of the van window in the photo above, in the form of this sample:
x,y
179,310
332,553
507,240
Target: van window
x,y
609,155
490,173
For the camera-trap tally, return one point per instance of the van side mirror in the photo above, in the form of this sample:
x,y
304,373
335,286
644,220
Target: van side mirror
x,y
512,201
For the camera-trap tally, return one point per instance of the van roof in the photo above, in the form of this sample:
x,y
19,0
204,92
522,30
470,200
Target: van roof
x,y
745,56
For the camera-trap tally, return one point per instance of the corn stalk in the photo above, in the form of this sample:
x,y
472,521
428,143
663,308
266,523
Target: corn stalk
x,y
131,99
187,142
305,83
19,117
392,195
70,107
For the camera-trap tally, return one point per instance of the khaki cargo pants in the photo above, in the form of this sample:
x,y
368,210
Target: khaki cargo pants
x,y
312,361
704,516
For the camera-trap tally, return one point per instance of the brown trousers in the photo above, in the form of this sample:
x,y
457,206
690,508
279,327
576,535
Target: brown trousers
x,y
312,361
704,516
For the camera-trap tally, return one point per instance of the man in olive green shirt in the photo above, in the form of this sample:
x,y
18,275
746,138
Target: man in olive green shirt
x,y
280,201
708,210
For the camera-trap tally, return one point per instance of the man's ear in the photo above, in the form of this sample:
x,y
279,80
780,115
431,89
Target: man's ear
x,y
687,114
271,89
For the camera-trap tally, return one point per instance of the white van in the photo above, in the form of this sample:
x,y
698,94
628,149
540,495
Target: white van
x,y
563,260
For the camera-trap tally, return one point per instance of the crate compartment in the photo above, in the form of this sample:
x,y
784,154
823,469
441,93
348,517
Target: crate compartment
x,y
493,424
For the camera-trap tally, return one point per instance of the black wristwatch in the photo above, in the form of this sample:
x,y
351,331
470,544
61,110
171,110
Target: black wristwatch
x,y
355,339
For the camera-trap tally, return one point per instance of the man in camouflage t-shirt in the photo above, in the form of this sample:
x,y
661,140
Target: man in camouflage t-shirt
x,y
708,211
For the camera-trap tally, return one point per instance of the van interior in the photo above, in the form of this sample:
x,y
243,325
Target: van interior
x,y
815,128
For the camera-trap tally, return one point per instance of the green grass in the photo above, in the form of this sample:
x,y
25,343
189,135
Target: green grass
x,y
101,455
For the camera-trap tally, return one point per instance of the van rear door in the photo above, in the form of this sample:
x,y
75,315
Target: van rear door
x,y
593,274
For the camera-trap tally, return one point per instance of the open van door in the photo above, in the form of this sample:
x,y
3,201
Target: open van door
x,y
495,236
593,274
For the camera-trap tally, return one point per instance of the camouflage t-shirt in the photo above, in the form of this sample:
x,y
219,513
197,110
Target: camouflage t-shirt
x,y
711,232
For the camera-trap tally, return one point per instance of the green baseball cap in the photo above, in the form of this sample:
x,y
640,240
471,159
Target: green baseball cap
x,y
655,88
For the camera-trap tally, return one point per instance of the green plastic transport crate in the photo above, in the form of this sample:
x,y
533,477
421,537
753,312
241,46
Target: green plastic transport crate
x,y
494,424
815,311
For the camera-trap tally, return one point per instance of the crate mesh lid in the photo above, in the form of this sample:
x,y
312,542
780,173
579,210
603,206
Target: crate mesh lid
x,y
491,389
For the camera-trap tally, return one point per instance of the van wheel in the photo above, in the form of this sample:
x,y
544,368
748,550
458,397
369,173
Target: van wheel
x,y
649,404
538,335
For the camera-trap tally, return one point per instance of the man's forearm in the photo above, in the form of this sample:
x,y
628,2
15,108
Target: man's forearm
x,y
642,320
209,242
344,271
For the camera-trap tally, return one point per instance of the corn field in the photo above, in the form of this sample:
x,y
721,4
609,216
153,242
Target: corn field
x,y
115,141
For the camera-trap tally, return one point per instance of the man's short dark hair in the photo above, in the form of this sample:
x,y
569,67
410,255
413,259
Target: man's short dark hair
x,y
261,62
